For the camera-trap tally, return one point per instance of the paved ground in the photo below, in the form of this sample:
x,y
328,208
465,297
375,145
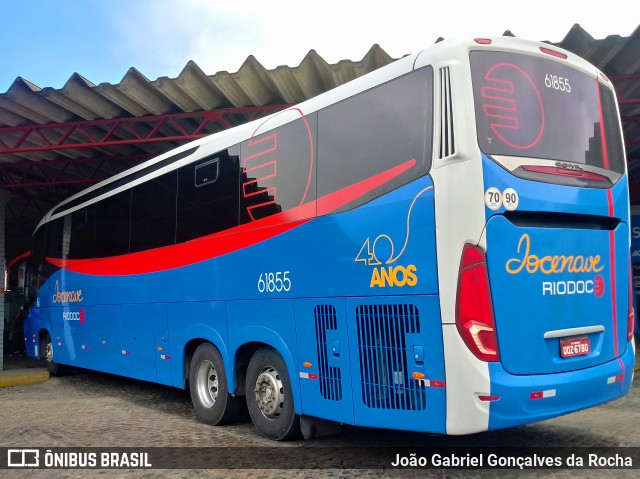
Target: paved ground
x,y
89,409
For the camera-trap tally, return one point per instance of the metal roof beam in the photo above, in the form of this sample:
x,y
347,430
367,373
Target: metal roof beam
x,y
125,131
64,172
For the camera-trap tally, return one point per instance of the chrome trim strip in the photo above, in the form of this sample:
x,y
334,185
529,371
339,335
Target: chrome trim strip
x,y
561,333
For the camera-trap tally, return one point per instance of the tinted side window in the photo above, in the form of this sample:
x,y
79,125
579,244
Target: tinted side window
x,y
38,244
208,195
54,240
102,229
83,230
112,225
41,249
375,131
278,168
153,213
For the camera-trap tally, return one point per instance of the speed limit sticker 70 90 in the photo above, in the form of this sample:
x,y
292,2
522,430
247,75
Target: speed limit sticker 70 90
x,y
510,199
493,198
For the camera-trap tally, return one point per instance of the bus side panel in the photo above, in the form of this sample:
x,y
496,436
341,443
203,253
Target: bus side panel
x,y
99,345
270,322
162,349
37,321
63,336
385,247
324,363
136,328
32,327
195,320
116,339
397,362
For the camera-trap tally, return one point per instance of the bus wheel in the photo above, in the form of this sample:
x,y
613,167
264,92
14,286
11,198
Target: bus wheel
x,y
269,396
46,353
208,387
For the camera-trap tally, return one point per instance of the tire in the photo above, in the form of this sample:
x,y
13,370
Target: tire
x,y
269,396
46,353
208,388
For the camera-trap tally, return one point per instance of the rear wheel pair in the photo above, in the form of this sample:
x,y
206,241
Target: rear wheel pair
x,y
269,399
269,396
208,386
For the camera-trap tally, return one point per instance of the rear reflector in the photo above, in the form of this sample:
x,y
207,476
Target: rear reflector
x,y
474,309
549,393
436,384
432,383
489,398
615,379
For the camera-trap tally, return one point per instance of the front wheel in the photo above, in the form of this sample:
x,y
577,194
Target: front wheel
x,y
208,387
269,396
46,353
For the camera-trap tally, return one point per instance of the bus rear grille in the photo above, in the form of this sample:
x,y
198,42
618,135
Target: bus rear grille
x,y
386,381
329,376
446,138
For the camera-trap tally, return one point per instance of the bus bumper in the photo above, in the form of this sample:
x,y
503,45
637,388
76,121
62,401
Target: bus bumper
x,y
527,399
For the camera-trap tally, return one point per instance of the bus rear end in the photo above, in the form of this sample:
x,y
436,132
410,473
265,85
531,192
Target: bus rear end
x,y
544,297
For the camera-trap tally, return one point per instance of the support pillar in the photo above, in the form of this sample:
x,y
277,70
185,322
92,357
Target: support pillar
x,y
4,197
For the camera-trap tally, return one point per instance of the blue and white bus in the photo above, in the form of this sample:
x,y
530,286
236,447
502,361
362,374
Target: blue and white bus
x,y
441,245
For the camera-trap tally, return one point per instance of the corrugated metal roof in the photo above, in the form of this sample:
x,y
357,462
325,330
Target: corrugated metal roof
x,y
253,85
192,90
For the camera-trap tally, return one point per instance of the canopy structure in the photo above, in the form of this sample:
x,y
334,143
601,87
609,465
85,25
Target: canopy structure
x,y
54,142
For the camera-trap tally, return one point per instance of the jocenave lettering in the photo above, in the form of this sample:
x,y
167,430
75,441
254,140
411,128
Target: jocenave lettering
x,y
67,296
550,264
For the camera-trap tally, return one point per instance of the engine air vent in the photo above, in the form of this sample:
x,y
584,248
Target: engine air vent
x,y
386,381
445,138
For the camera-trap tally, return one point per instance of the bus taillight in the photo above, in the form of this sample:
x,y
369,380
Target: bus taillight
x,y
553,53
631,323
474,310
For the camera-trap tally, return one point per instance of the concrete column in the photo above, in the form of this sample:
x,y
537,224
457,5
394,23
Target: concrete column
x,y
4,197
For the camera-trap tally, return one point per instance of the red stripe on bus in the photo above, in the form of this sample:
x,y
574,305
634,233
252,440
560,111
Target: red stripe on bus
x,y
614,306
610,203
229,241
612,261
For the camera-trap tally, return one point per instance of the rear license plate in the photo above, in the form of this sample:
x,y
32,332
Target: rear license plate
x,y
574,347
